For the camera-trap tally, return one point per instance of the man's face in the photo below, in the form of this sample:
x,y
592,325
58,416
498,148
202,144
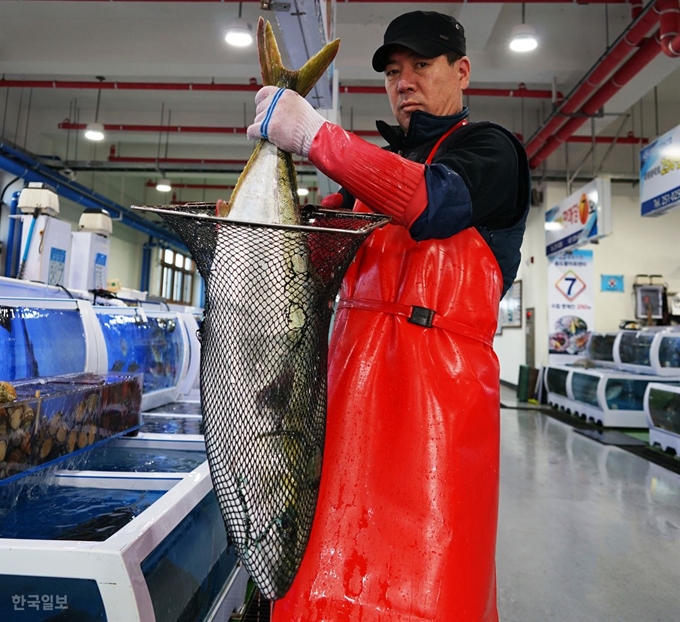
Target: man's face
x,y
428,84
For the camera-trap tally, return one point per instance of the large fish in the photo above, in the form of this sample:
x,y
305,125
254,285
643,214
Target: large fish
x,y
263,356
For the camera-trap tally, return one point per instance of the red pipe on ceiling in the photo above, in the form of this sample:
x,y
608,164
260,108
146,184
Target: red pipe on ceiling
x,y
669,21
596,76
520,91
192,129
646,53
130,86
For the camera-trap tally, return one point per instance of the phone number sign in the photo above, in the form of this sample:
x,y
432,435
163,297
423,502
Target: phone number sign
x,y
660,174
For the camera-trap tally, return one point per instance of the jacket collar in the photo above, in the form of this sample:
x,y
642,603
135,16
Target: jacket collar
x,y
423,128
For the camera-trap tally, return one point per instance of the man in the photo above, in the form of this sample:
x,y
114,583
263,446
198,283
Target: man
x,y
405,526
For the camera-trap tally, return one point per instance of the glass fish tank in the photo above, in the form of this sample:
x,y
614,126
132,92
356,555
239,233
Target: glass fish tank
x,y
52,418
172,425
634,348
147,342
114,458
166,552
662,404
557,384
46,512
176,408
41,338
610,397
650,351
601,348
668,354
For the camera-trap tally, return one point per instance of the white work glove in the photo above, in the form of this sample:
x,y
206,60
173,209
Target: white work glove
x,y
286,119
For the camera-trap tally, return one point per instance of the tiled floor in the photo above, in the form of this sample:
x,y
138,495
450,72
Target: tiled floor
x,y
587,532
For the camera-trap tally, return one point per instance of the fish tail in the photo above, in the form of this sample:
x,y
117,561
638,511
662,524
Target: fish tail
x,y
274,73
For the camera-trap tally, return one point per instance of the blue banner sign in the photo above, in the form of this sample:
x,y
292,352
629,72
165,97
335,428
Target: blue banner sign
x,y
582,217
660,174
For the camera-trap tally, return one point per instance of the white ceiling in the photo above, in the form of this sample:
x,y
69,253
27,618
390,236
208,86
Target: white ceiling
x,y
184,42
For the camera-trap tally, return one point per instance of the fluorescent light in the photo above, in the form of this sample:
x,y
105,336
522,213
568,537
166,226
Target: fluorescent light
x,y
523,38
239,33
94,131
303,192
163,185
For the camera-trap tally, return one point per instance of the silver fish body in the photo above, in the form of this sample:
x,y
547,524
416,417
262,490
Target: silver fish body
x,y
267,355
263,353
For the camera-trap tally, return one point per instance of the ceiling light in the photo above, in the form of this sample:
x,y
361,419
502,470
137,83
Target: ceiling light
x,y
523,38
239,33
94,131
163,185
303,192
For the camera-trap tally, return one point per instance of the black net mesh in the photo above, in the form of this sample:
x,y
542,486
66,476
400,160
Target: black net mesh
x,y
269,298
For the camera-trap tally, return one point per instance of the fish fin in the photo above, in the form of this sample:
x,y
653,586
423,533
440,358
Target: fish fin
x,y
310,73
273,71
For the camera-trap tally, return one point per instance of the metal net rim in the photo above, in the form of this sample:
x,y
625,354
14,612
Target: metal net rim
x,y
373,221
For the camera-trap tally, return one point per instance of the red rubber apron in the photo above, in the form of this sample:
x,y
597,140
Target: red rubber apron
x,y
405,526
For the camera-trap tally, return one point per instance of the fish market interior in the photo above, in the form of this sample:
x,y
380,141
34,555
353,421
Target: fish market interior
x,y
123,123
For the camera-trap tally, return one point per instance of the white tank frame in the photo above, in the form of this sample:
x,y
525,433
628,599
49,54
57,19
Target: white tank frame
x,y
115,564
654,368
658,436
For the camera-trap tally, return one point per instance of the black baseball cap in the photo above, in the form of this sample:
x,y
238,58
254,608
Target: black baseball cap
x,y
427,33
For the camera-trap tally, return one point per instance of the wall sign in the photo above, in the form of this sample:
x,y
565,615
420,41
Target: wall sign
x,y
660,174
571,314
582,217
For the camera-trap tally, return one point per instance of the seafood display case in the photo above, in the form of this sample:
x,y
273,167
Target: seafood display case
x,y
49,337
609,397
126,530
600,349
662,409
46,420
122,548
649,351
44,337
153,343
106,514
557,383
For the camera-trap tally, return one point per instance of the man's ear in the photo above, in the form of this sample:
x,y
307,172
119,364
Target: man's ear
x,y
464,69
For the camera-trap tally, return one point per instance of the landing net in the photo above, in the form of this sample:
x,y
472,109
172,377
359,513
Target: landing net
x,y
264,342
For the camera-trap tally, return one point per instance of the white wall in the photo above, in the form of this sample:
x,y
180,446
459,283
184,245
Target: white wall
x,y
637,246
125,260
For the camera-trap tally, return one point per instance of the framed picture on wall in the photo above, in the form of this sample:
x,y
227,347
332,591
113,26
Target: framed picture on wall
x,y
510,312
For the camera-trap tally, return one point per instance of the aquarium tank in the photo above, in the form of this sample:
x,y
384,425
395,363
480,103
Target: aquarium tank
x,y
39,342
143,343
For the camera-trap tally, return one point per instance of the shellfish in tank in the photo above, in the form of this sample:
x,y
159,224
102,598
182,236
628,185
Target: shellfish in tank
x,y
7,392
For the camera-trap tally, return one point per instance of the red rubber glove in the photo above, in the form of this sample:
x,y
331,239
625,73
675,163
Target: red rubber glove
x,y
333,200
384,181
